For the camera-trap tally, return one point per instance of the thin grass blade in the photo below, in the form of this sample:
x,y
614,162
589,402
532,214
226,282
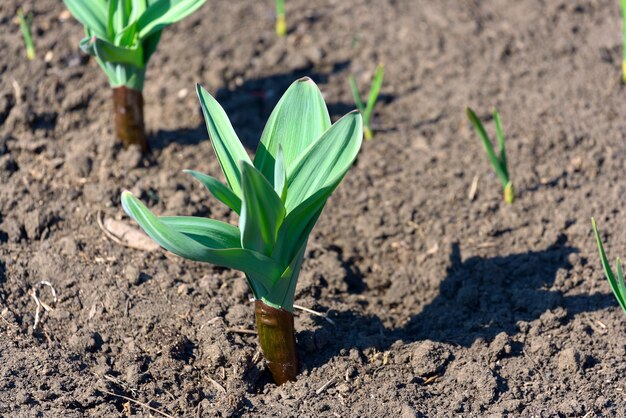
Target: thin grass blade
x,y
495,162
356,95
500,135
620,291
615,286
377,83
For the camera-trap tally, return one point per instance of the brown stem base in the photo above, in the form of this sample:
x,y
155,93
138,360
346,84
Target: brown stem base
x,y
278,342
128,110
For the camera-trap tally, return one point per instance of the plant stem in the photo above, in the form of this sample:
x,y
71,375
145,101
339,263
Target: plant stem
x,y
367,131
281,22
128,110
278,342
509,193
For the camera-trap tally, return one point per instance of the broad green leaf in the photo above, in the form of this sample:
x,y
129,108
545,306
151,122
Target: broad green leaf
x,y
324,160
219,190
618,288
356,95
262,270
92,14
374,91
282,293
208,232
225,142
165,12
117,16
150,45
280,175
299,223
299,118
113,54
495,162
262,211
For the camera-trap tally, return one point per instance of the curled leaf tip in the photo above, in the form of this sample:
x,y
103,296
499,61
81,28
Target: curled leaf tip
x,y
305,79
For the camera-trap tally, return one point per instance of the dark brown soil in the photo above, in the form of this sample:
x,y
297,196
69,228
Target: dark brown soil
x,y
442,306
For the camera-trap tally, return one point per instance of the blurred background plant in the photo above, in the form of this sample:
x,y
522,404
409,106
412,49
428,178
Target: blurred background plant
x,y
367,108
122,35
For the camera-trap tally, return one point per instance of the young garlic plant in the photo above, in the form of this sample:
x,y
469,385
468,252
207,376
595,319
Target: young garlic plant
x,y
367,110
499,163
279,196
617,283
122,35
25,24
281,21
624,41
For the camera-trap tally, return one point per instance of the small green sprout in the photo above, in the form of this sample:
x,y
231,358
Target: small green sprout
x,y
617,285
499,163
367,110
122,35
25,23
279,196
624,41
281,22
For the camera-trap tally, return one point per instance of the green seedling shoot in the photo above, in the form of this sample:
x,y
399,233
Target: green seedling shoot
x,y
281,22
617,284
122,35
367,110
499,163
279,196
623,41
25,23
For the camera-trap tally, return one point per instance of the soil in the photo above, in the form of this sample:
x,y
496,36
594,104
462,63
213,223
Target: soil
x,y
441,305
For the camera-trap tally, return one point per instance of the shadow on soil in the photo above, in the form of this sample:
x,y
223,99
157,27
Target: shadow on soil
x,y
248,107
479,298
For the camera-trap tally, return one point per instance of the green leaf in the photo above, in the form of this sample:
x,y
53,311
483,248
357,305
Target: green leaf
x,y
91,14
280,175
208,232
262,270
299,118
108,52
150,45
225,142
299,223
618,287
356,95
163,13
262,211
219,190
500,135
495,162
374,91
281,294
117,16
325,160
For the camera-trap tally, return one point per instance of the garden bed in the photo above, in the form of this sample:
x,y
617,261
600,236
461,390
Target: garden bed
x,y
441,305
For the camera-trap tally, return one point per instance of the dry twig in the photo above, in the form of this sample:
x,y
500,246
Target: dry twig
x,y
137,402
